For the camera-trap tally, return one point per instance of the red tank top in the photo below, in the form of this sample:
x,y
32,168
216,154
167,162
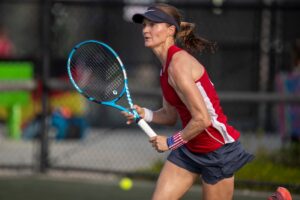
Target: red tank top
x,y
216,135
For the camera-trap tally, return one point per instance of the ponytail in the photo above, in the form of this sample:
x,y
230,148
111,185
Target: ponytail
x,y
191,42
186,37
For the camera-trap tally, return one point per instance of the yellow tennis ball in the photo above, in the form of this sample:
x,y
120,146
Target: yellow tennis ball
x,y
125,183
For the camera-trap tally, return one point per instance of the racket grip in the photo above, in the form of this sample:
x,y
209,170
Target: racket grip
x,y
146,128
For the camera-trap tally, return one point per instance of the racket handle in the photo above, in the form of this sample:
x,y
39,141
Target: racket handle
x,y
146,128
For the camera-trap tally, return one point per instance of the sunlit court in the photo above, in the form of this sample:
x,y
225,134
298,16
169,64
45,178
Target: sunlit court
x,y
146,99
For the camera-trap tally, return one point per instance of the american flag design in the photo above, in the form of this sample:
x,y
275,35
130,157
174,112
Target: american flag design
x,y
175,141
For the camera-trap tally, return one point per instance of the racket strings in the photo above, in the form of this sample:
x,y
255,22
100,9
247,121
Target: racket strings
x,y
97,72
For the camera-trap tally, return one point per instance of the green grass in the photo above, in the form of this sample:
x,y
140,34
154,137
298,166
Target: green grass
x,y
265,170
281,167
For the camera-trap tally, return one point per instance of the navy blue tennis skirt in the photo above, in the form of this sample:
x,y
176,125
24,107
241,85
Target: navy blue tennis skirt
x,y
213,166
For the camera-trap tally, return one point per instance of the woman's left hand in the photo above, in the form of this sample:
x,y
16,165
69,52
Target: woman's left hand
x,y
159,143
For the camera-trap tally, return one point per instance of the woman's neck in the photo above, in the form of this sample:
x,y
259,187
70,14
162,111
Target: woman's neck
x,y
161,51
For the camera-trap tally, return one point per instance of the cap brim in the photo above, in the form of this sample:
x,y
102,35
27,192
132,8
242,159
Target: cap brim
x,y
139,18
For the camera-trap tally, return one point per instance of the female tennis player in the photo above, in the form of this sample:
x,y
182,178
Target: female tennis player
x,y
206,145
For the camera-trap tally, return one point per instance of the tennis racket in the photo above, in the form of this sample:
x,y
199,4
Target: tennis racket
x,y
97,72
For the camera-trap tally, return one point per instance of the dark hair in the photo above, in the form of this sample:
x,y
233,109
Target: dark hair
x,y
186,36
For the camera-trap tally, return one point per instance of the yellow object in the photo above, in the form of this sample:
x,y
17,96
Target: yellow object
x,y
71,100
125,183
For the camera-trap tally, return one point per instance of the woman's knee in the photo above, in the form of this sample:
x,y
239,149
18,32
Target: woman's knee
x,y
173,182
223,189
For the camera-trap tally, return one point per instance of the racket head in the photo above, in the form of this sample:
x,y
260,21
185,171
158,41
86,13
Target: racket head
x,y
97,72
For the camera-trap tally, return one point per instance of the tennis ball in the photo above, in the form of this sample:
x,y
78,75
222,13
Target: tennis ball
x,y
125,183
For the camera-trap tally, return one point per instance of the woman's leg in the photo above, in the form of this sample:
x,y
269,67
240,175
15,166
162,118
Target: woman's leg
x,y
221,190
173,182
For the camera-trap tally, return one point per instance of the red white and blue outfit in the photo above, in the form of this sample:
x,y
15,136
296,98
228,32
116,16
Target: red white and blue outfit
x,y
215,153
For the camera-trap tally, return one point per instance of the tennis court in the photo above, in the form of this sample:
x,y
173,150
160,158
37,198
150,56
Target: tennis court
x,y
47,188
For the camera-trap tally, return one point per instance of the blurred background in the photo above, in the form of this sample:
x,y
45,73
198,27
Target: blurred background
x,y
49,130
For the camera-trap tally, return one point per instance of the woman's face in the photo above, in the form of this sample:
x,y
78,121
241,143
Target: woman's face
x,y
154,33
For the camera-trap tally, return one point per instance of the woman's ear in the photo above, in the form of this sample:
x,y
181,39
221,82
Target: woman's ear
x,y
172,30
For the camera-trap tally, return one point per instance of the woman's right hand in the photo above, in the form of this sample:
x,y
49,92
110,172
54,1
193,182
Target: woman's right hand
x,y
130,117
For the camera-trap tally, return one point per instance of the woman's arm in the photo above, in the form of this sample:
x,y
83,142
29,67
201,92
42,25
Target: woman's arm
x,y
167,115
183,72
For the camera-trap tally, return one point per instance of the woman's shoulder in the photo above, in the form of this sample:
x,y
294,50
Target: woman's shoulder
x,y
183,62
181,57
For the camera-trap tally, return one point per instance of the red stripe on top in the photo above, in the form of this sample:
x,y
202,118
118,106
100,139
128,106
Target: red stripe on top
x,y
208,140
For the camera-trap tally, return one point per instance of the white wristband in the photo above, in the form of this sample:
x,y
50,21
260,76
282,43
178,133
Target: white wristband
x,y
148,115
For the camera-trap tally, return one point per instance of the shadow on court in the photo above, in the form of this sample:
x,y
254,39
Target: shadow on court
x,y
36,188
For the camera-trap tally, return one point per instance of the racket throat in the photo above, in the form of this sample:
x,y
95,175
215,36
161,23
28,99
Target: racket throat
x,y
137,117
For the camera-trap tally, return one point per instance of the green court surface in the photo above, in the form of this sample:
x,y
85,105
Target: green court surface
x,y
33,188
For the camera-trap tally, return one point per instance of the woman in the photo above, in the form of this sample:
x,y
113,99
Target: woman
x,y
206,145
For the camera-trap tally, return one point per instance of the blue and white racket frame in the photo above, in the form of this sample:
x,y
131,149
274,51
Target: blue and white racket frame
x,y
140,121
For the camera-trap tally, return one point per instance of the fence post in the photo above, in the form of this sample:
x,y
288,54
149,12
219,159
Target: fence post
x,y
45,49
264,63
